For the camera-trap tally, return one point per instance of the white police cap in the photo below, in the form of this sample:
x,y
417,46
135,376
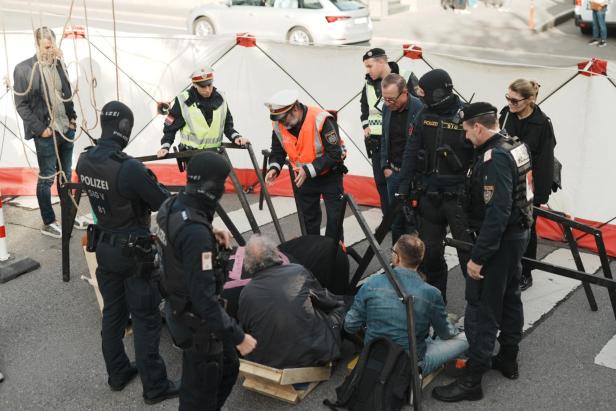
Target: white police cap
x,y
281,102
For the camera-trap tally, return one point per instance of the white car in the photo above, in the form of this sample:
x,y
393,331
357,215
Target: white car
x,y
583,15
297,21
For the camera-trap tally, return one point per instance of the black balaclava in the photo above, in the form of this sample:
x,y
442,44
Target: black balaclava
x,y
437,87
116,122
205,176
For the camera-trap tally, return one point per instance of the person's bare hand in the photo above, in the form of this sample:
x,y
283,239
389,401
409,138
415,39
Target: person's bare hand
x,y
300,176
162,152
247,345
223,237
241,141
367,132
474,270
387,172
48,132
271,176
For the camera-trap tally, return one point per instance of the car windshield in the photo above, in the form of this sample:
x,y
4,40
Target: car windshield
x,y
346,5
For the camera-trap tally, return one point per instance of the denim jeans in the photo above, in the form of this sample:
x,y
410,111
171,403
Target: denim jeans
x,y
438,352
399,226
48,166
599,28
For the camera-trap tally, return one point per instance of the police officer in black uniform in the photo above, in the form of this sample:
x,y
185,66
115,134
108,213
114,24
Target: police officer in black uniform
x,y
122,194
193,281
436,160
501,198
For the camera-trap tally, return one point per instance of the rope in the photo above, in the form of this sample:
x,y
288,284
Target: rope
x,y
115,50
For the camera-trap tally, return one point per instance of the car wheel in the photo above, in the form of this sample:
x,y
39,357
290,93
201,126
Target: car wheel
x,y
203,27
587,30
299,35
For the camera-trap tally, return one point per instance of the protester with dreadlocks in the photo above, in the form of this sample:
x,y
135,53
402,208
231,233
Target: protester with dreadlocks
x,y
43,98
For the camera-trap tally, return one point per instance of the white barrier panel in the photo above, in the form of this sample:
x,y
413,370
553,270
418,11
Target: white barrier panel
x,y
581,111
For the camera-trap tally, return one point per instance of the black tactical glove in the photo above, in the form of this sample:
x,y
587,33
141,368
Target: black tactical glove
x,y
407,210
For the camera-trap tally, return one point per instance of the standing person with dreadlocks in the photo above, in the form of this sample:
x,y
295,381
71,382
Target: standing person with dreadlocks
x,y
43,98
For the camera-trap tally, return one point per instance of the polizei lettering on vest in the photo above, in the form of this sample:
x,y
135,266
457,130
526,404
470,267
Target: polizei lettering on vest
x,y
94,182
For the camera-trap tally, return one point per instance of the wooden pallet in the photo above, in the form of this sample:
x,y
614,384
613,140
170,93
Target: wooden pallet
x,y
277,383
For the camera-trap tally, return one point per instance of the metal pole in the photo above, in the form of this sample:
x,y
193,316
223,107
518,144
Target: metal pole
x,y
265,193
263,173
232,228
240,194
575,251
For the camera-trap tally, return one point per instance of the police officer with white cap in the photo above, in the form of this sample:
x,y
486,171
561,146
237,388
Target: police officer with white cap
x,y
202,116
309,137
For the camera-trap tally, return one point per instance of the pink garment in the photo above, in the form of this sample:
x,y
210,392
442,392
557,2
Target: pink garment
x,y
235,275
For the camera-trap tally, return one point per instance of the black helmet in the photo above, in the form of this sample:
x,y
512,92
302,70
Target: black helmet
x,y
206,174
437,87
117,122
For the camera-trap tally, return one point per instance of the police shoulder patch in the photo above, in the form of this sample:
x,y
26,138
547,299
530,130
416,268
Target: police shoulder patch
x,y
331,137
206,261
487,156
488,192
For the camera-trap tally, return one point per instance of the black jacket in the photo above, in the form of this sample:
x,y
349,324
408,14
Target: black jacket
x,y
492,207
332,160
537,132
174,120
363,101
284,308
32,107
415,143
191,245
414,107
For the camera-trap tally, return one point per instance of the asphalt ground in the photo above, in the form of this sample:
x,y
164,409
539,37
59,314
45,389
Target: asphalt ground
x,y
50,342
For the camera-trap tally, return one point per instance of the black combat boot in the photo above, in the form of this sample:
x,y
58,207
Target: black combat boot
x,y
465,387
506,361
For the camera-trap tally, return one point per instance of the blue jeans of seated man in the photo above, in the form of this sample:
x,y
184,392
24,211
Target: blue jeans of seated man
x,y
399,226
48,166
439,352
599,28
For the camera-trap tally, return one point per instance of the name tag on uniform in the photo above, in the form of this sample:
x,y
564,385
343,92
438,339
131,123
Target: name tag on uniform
x,y
520,155
206,261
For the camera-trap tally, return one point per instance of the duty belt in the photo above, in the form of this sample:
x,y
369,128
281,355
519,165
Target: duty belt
x,y
124,240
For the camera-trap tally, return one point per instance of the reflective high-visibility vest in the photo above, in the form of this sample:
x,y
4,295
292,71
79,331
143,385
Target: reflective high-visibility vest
x,y
196,133
307,146
375,118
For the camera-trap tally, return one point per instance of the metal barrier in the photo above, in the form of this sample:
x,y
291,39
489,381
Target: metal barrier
x,y
568,225
70,195
376,250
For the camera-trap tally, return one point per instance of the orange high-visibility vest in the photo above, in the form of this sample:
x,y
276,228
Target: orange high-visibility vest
x,y
308,146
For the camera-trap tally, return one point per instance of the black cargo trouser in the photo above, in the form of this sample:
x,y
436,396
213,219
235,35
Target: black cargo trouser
x,y
494,303
437,211
124,295
309,196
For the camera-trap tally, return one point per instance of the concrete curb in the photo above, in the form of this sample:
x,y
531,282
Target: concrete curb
x,y
555,21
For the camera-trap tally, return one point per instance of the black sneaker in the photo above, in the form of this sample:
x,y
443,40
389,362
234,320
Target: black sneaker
x,y
526,283
602,43
172,391
130,375
593,42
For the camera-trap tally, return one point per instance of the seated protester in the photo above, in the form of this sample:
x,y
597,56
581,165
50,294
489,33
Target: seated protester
x,y
296,321
314,252
378,308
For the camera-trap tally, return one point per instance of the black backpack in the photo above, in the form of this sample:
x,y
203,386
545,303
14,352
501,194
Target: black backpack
x,y
379,382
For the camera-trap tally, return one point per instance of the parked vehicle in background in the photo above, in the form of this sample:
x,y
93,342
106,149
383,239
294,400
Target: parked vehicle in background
x,y
583,15
297,21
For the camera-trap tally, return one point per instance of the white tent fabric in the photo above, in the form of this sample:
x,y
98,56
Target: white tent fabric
x,y
328,76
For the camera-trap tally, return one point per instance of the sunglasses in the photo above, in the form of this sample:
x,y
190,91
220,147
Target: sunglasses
x,y
514,101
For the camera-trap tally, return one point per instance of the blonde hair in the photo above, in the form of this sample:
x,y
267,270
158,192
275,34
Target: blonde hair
x,y
525,88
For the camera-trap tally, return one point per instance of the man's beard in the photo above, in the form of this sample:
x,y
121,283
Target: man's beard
x,y
46,57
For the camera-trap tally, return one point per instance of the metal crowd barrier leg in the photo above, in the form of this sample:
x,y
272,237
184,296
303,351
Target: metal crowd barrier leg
x,y
575,251
300,213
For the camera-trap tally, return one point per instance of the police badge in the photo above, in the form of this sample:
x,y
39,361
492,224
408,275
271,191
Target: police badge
x,y
331,137
488,192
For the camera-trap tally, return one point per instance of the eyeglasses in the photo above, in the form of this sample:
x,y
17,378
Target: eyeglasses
x,y
514,101
392,100
393,250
